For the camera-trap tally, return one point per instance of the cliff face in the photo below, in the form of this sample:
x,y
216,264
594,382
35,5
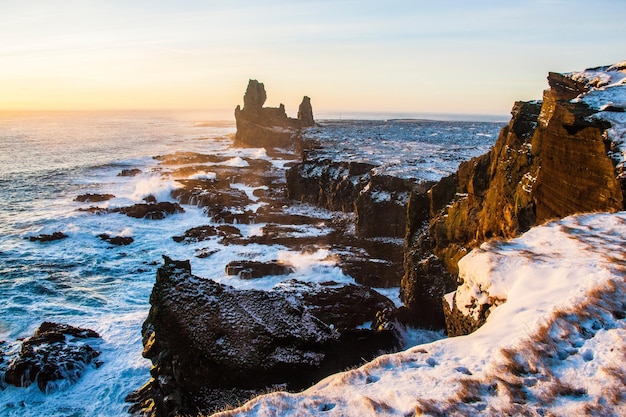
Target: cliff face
x,y
268,126
554,158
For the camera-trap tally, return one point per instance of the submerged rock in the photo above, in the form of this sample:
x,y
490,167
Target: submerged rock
x,y
93,198
213,345
129,172
55,352
116,240
48,237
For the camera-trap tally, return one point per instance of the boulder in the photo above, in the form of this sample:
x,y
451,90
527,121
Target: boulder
x,y
212,345
54,353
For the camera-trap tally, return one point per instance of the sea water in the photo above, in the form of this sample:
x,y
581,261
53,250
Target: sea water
x,y
47,160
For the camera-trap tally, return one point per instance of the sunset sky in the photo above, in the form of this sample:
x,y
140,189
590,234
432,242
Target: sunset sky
x,y
474,57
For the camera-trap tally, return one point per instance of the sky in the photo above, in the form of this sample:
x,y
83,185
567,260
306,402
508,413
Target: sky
x,y
453,56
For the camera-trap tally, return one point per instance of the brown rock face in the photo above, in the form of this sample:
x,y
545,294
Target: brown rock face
x,y
552,160
268,126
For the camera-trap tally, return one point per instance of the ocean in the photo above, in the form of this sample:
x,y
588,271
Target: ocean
x,y
48,159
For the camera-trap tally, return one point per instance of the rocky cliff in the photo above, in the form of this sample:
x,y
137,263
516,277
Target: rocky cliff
x,y
556,157
212,345
268,126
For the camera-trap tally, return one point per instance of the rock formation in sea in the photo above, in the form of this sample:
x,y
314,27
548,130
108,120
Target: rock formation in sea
x,y
212,345
556,157
269,126
55,355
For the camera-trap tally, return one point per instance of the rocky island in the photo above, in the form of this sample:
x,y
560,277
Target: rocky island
x,y
213,346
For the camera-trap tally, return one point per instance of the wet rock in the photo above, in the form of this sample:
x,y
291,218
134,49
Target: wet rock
x,y
152,211
129,172
256,269
116,240
48,237
205,252
212,345
93,198
268,126
55,352
200,233
214,195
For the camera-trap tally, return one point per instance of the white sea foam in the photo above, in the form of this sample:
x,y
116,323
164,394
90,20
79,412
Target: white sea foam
x,y
85,281
156,186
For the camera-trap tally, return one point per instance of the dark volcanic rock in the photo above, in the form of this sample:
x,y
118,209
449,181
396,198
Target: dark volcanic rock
x,y
55,352
129,172
328,184
381,206
213,345
93,198
153,211
200,233
116,240
256,269
48,238
268,126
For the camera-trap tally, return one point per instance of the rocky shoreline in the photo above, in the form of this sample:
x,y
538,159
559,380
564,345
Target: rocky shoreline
x,y
213,346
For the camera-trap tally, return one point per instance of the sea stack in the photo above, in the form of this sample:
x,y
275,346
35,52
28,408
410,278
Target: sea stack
x,y
269,127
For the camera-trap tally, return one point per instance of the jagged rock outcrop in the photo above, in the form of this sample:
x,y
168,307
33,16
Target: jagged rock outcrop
x,y
212,345
268,126
379,201
328,184
55,353
554,158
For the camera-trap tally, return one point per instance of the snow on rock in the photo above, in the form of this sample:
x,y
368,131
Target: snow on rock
x,y
553,346
607,94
